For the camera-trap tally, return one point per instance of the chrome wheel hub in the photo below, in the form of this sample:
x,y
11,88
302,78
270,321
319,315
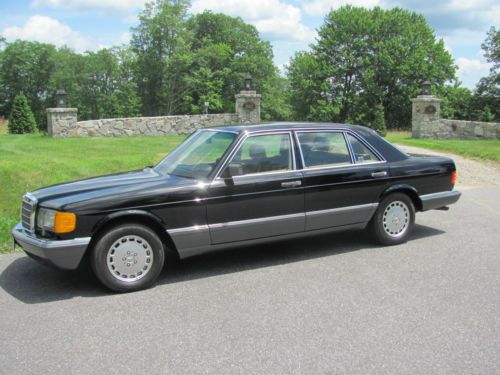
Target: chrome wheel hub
x,y
129,258
396,219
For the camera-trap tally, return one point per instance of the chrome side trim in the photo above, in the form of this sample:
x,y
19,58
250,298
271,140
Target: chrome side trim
x,y
342,209
255,221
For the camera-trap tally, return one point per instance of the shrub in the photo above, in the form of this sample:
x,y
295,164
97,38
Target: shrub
x,y
21,119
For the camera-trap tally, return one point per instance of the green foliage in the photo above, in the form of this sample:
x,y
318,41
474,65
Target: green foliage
x,y
486,115
487,95
276,104
27,67
21,119
456,102
224,50
365,58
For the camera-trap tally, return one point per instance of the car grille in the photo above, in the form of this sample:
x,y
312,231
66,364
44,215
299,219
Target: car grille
x,y
28,209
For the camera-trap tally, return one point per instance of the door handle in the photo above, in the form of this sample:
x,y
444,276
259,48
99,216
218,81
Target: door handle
x,y
291,184
379,174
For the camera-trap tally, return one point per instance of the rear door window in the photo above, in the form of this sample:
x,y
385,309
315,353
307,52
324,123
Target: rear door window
x,y
323,149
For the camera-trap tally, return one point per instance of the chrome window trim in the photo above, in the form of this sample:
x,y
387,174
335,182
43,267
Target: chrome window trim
x,y
345,131
366,144
341,166
218,130
349,148
238,145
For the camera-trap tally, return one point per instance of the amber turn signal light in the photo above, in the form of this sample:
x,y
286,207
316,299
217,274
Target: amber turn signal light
x,y
64,222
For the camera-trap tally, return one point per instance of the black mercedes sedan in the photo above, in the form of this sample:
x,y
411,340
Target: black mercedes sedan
x,y
230,186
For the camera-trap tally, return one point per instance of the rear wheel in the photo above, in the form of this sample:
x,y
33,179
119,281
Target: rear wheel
x,y
128,257
394,219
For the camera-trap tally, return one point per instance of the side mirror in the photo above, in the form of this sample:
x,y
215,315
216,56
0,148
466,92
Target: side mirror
x,y
232,170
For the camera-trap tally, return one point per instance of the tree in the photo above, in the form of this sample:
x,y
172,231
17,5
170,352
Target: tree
x,y
21,119
365,58
224,49
456,102
27,67
163,57
487,94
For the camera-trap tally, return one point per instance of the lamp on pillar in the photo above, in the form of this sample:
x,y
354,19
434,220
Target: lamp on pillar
x,y
61,98
248,82
426,88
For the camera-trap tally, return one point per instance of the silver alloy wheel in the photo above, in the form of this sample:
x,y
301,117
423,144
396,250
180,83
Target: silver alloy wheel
x,y
396,219
130,258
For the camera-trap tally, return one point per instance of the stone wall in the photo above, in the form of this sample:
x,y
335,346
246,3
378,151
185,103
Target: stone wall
x,y
458,129
426,123
62,122
151,126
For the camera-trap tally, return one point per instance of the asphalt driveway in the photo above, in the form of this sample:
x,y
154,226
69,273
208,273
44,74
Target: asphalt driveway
x,y
331,304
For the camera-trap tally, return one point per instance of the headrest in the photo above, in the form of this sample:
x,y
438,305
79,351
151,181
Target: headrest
x,y
257,151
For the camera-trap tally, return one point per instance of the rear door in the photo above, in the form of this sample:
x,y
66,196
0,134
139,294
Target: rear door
x,y
259,192
343,178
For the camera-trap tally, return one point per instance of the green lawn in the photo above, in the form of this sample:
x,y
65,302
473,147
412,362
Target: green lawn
x,y
28,162
483,149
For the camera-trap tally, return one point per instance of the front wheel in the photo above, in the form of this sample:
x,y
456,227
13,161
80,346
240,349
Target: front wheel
x,y
394,219
128,257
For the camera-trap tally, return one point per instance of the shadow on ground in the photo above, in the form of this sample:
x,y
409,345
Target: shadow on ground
x,y
31,282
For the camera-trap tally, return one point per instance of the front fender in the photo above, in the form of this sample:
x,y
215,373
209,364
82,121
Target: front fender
x,y
140,214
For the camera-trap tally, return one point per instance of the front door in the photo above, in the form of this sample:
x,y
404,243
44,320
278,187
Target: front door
x,y
258,193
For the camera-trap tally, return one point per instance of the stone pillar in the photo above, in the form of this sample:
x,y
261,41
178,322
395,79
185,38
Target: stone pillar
x,y
425,116
248,107
61,121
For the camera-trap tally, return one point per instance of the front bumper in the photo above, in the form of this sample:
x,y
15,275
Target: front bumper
x,y
65,254
438,200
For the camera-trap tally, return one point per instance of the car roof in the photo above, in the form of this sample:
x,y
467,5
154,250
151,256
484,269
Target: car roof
x,y
285,126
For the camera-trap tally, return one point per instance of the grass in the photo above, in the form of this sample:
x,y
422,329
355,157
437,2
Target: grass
x,y
477,149
28,162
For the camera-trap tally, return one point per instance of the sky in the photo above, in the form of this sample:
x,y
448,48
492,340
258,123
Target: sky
x,y
290,25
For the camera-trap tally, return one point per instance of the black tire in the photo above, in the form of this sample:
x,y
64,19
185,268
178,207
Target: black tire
x,y
132,248
388,232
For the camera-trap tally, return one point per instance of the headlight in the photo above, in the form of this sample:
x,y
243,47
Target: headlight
x,y
56,221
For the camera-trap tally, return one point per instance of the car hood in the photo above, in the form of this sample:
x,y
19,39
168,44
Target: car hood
x,y
108,188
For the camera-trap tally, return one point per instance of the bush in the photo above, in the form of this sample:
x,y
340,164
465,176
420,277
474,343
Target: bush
x,y
21,119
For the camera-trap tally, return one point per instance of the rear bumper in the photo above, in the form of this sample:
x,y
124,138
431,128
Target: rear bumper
x,y
438,200
65,254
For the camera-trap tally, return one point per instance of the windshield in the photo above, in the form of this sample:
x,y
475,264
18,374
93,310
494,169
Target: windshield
x,y
198,155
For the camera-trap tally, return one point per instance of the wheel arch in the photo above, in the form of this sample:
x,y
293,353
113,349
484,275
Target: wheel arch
x,y
134,216
405,189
